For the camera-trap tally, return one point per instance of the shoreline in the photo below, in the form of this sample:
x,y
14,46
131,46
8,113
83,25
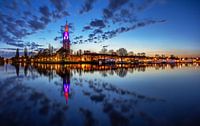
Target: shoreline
x,y
96,63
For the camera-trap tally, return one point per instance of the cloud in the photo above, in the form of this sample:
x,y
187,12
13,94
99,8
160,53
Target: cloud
x,y
27,2
85,28
115,4
118,16
87,6
125,13
57,38
59,4
146,4
117,13
20,20
97,31
97,23
78,37
33,45
46,15
11,49
12,5
45,20
44,10
107,13
21,45
113,33
36,25
149,3
98,35
58,14
112,7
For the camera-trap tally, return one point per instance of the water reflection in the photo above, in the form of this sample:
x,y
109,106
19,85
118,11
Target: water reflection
x,y
90,100
64,71
120,70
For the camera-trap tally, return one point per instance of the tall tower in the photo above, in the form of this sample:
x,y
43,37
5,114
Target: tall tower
x,y
66,41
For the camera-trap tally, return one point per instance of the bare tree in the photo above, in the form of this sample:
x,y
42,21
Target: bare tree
x,y
130,53
122,52
17,53
143,54
25,52
111,51
103,50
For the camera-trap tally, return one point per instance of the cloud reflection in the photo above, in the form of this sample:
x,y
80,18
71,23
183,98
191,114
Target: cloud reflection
x,y
89,101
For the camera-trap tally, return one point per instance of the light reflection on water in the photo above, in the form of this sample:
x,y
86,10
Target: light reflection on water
x,y
47,94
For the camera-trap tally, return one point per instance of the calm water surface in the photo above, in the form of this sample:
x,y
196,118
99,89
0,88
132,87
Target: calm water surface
x,y
73,95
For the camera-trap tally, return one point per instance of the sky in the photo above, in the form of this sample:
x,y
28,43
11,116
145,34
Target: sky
x,y
150,26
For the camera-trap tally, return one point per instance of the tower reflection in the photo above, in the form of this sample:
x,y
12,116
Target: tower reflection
x,y
65,74
66,87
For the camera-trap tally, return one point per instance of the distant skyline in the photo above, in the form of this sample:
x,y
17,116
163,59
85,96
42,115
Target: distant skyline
x,y
150,26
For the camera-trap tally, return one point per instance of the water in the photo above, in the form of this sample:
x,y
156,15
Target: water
x,y
153,95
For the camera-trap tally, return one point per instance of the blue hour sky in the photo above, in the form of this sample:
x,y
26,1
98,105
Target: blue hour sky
x,y
151,26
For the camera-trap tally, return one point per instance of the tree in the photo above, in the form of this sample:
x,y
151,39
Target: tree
x,y
17,53
122,52
111,51
143,54
172,56
71,51
25,52
50,49
157,55
79,52
103,50
130,53
122,72
163,56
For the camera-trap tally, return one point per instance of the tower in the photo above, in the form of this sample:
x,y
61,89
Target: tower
x,y
66,41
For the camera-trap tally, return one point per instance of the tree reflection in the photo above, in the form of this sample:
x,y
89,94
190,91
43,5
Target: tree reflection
x,y
26,69
17,69
122,72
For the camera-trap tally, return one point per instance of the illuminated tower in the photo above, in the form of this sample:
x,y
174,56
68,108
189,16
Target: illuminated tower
x,y
66,41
